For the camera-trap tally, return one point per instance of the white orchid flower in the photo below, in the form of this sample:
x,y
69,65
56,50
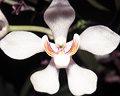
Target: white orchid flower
x,y
99,40
3,25
21,45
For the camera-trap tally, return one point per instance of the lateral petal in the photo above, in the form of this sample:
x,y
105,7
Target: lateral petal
x,y
47,46
46,80
80,80
74,46
99,40
21,44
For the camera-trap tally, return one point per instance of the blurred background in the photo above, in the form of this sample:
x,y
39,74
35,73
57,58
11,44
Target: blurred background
x,y
15,74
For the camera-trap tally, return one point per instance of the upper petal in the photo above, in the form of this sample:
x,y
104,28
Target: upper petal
x,y
46,80
80,80
3,25
21,44
99,40
59,16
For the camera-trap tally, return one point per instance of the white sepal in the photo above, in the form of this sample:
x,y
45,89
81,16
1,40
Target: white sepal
x,y
46,80
21,44
99,40
59,16
80,80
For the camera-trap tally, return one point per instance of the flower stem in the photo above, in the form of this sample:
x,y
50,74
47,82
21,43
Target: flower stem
x,y
30,28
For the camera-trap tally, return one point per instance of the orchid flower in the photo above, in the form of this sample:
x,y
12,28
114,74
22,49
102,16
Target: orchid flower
x,y
99,40
3,25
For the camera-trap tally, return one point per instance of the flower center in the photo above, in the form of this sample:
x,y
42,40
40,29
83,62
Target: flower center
x,y
61,57
61,52
60,42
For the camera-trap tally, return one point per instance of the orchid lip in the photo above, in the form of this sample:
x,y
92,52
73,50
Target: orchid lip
x,y
52,53
61,57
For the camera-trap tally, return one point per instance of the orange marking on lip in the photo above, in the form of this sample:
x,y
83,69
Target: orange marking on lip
x,y
74,47
48,49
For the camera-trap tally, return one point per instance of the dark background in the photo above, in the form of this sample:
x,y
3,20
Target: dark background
x,y
14,74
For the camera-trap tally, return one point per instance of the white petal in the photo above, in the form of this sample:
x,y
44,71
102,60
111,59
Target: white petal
x,y
80,80
21,44
3,25
68,45
99,40
59,16
46,80
47,46
53,46
62,60
74,46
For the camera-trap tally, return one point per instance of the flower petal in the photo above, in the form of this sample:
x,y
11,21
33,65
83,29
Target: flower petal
x,y
59,21
21,44
47,46
62,60
46,80
80,80
68,45
3,25
53,46
74,46
99,40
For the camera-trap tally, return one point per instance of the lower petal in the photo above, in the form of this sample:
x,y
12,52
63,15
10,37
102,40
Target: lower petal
x,y
46,80
80,80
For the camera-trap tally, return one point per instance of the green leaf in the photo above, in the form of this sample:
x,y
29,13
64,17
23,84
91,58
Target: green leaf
x,y
98,5
26,87
90,61
64,91
6,89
